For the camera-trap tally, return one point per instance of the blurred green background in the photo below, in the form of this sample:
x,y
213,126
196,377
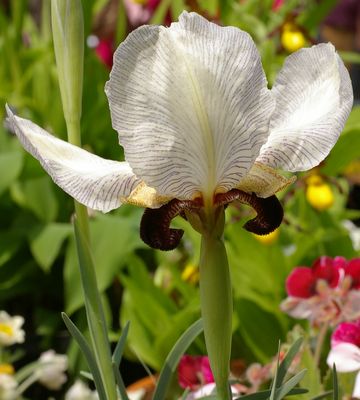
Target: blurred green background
x,y
157,292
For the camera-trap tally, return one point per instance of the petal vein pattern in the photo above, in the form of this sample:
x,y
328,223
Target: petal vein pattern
x,y
91,180
314,97
191,105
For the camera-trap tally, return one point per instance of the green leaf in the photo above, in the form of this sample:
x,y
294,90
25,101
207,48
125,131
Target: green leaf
x,y
120,383
253,322
116,237
288,359
347,149
119,349
323,395
264,394
45,246
11,164
160,13
173,359
88,354
289,385
37,195
335,384
312,380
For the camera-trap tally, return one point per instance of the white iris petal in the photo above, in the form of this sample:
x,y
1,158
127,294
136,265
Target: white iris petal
x,y
191,105
193,113
313,100
91,180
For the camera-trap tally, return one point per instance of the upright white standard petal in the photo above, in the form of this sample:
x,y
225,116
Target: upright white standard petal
x,y
93,181
313,100
345,356
191,105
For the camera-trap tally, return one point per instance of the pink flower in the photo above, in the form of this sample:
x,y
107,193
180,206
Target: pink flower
x,y
194,372
104,50
326,292
277,4
348,332
345,351
302,282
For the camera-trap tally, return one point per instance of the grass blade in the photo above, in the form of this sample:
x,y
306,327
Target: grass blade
x,y
264,394
119,349
286,362
173,358
86,350
120,383
335,384
323,395
286,387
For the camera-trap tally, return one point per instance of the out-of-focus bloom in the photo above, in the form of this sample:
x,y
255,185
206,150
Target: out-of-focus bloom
x,y
319,193
10,329
328,291
7,369
190,274
257,374
270,238
51,369
354,233
209,389
345,351
104,50
194,371
277,4
137,12
8,386
292,39
200,128
303,281
80,391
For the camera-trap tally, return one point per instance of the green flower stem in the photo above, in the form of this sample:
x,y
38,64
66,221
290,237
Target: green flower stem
x,y
216,304
30,380
68,36
94,309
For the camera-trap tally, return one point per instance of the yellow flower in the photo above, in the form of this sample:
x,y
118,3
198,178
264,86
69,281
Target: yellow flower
x,y
190,274
292,39
319,193
269,238
7,369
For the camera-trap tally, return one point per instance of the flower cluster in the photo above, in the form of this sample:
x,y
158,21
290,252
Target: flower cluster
x,y
328,292
48,370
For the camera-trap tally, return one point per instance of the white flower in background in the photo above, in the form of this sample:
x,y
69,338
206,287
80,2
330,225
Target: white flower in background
x,y
354,233
80,391
51,369
208,390
8,387
200,128
10,329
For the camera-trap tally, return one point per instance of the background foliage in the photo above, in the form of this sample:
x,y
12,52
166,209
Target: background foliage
x,y
38,264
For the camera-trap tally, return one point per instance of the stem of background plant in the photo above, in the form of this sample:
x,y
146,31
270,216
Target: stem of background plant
x,y
319,342
216,303
68,36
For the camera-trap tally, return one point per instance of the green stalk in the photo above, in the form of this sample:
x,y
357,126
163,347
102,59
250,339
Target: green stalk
x,y
68,35
216,304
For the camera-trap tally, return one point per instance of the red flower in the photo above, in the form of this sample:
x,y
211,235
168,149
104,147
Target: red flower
x,y
104,50
194,371
352,269
302,282
348,332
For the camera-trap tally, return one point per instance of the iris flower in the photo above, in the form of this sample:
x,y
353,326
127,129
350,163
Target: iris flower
x,y
200,127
